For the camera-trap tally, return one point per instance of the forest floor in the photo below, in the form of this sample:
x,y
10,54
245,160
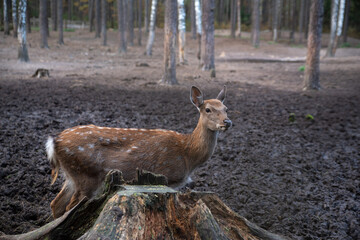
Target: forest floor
x,y
300,179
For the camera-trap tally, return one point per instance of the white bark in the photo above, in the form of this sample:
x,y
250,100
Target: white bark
x,y
182,31
23,53
334,17
198,16
152,28
340,18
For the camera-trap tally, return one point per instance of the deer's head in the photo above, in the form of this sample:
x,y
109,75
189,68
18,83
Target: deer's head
x,y
213,112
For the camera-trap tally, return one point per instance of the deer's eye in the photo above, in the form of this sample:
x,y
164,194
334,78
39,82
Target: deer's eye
x,y
208,110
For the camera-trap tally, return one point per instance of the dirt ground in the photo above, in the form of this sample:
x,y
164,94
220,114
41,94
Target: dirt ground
x,y
299,179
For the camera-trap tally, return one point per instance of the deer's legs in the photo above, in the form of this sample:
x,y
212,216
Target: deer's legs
x,y
58,205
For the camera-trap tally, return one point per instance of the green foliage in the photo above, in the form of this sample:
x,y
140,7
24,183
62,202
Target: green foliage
x,y
69,30
345,45
292,117
301,68
309,117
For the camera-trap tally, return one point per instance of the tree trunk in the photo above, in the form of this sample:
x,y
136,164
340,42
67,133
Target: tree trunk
x,y
28,23
346,21
301,20
207,38
121,26
53,15
239,17
147,16
255,33
198,26
307,10
292,20
151,38
139,21
23,55
233,11
91,15
334,22
14,18
221,12
339,25
312,71
60,21
182,31
171,17
280,21
43,16
97,18
6,19
193,19
276,16
139,211
130,22
103,22
47,19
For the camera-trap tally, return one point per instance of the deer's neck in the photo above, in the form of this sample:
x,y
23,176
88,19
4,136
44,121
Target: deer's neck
x,y
201,145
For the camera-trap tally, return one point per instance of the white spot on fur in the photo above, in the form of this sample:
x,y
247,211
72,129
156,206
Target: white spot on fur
x,y
100,128
83,127
134,147
133,129
128,151
68,141
142,129
81,149
91,145
124,138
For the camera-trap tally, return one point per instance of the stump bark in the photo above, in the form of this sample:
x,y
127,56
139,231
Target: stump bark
x,y
126,211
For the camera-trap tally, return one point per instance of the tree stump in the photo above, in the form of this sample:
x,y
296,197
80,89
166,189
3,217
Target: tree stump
x,y
126,211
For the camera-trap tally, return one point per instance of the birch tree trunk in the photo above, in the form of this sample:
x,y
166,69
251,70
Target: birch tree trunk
x,y
6,18
139,21
97,18
151,38
121,26
103,22
207,38
53,15
60,21
346,20
171,17
312,70
91,15
43,15
198,25
14,16
239,17
339,25
23,55
301,20
182,31
334,22
255,34
193,19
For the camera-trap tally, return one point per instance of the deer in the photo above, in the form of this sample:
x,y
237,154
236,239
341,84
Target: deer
x,y
86,153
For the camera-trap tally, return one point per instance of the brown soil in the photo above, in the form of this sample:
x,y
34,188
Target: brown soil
x,y
300,179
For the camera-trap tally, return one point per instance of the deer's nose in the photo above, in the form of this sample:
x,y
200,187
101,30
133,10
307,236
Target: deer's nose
x,y
228,123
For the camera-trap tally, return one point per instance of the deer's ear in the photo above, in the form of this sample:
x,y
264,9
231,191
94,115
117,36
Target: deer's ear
x,y
196,97
222,95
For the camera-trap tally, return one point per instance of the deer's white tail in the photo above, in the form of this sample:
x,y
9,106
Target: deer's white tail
x,y
55,166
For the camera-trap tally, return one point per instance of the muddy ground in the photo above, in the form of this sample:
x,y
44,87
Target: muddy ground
x,y
300,179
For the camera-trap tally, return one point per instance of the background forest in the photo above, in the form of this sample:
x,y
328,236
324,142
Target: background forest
x,y
290,162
